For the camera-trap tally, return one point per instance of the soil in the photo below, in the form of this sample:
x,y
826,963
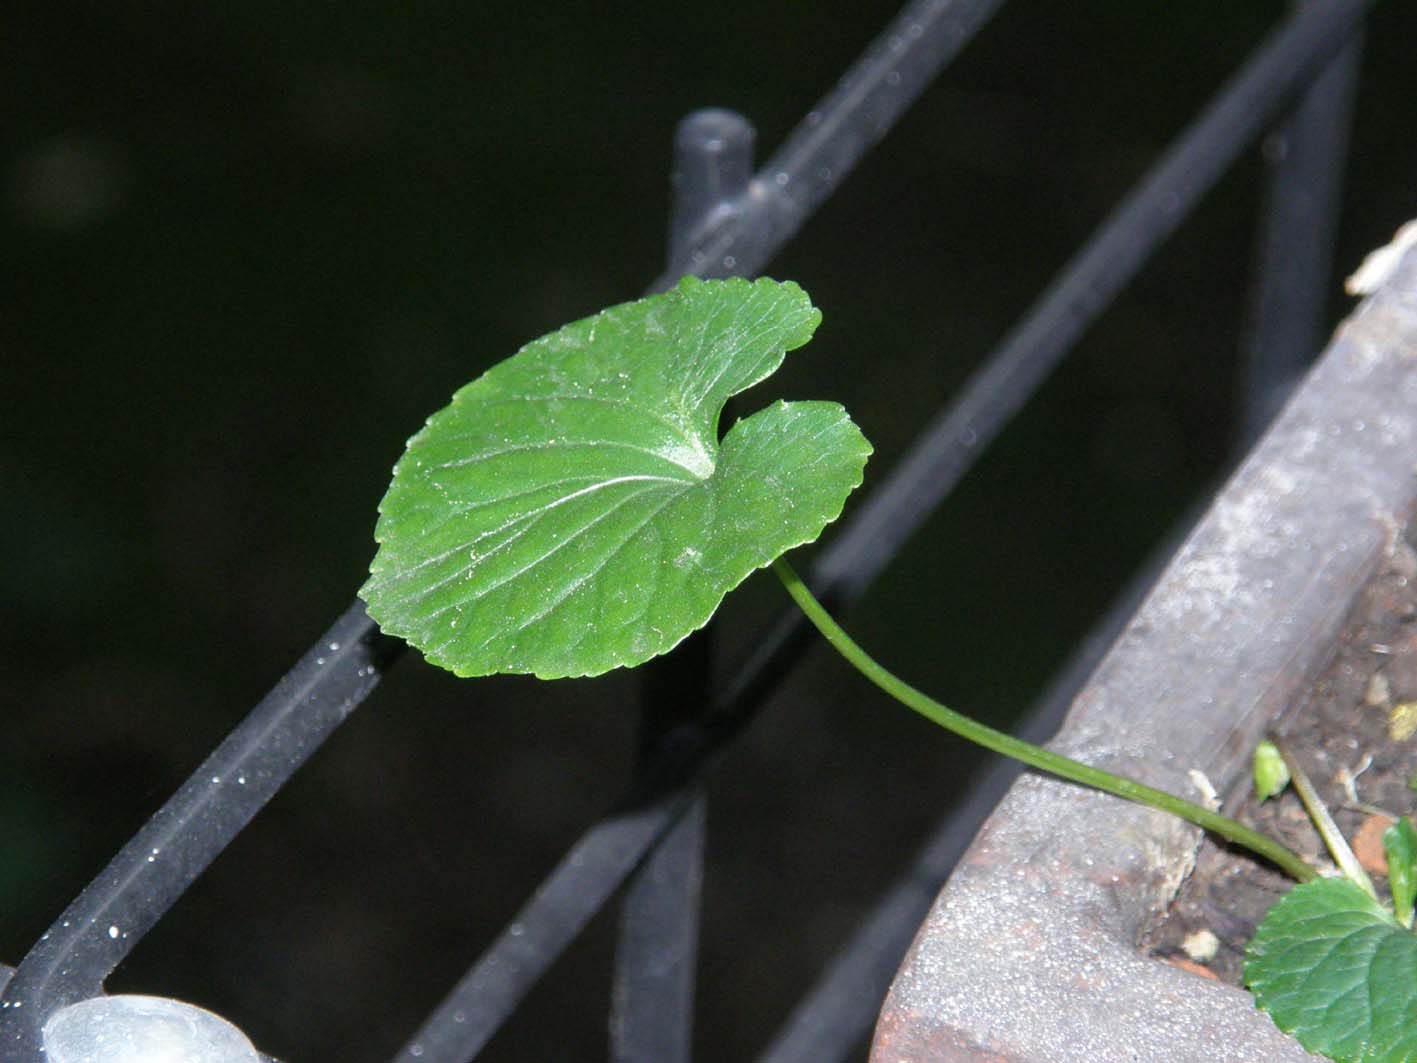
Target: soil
x,y
1355,734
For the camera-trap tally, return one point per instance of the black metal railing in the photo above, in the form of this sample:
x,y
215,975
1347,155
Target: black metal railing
x,y
728,218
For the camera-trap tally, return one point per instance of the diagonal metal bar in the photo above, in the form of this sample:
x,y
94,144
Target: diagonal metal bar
x,y
939,458
173,848
828,143
839,1012
1104,265
816,157
582,883
80,954
1311,35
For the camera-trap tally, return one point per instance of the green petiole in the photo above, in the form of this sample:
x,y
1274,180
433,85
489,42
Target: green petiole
x,y
1323,822
1026,752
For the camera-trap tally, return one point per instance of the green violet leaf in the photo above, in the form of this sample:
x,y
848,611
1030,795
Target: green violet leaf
x,y
1334,969
574,510
1400,845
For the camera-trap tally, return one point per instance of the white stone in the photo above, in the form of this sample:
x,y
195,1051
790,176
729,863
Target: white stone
x,y
142,1029
1380,264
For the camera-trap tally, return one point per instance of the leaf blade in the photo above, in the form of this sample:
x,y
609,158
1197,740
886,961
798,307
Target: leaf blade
x,y
573,511
1334,969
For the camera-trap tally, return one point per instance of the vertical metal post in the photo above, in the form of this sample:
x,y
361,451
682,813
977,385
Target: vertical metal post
x,y
652,1005
1305,156
713,163
836,134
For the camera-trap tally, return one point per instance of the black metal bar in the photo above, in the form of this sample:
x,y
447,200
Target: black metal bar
x,y
947,448
838,1014
580,885
868,100
835,135
840,1011
815,158
1305,189
713,163
1306,155
804,172
195,826
861,110
135,890
1109,260
607,854
652,1002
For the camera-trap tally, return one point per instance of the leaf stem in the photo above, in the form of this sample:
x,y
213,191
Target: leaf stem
x,y
1323,821
1026,752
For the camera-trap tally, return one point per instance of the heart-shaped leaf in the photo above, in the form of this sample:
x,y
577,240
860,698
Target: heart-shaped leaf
x,y
573,510
1334,968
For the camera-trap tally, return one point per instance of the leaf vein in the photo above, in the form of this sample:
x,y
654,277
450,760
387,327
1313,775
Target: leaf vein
x,y
530,519
576,584
483,592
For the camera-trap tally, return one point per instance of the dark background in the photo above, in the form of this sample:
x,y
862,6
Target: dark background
x,y
246,252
